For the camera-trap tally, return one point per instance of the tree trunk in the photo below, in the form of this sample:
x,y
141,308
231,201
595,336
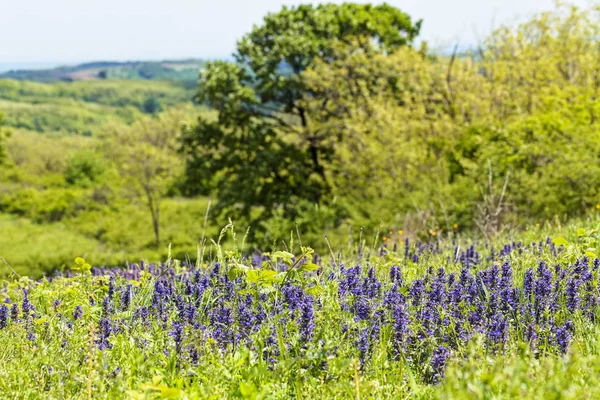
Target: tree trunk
x,y
154,206
156,225
314,152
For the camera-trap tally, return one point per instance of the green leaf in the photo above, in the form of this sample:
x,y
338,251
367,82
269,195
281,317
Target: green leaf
x,y
234,273
307,251
581,232
590,254
79,261
315,290
252,276
282,254
247,389
267,275
560,241
170,393
309,267
267,289
165,391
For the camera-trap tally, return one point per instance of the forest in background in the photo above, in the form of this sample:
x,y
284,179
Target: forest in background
x,y
178,70
347,125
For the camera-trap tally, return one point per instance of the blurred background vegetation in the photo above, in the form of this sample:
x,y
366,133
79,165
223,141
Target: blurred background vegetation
x,y
338,122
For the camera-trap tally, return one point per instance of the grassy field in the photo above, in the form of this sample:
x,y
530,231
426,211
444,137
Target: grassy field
x,y
107,237
446,319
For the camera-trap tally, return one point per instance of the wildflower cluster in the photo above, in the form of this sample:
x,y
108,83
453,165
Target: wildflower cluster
x,y
197,315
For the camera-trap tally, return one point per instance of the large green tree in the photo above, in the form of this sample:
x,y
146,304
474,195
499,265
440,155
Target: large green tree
x,y
264,152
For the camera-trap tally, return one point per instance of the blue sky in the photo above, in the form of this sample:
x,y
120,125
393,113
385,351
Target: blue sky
x,y
67,31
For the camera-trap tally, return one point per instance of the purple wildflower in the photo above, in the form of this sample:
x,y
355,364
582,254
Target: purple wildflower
x,y
401,326
177,334
104,332
14,312
497,329
563,336
438,363
363,345
572,295
77,313
307,321
126,298
3,316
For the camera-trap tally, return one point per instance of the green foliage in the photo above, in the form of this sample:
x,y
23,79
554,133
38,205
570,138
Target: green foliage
x,y
62,188
84,107
71,186
384,132
263,154
107,235
316,132
524,375
85,169
42,206
145,154
296,36
108,93
151,106
421,136
67,350
32,249
65,117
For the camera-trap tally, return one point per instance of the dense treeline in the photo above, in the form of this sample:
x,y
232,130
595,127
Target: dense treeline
x,y
372,129
175,70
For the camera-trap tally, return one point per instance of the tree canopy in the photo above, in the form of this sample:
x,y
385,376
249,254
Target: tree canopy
x,y
263,151
145,153
330,106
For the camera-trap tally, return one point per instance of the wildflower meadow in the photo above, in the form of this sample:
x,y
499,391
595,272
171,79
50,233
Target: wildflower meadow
x,y
418,320
421,218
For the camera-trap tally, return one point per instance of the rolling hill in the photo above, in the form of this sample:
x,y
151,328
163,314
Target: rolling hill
x,y
180,70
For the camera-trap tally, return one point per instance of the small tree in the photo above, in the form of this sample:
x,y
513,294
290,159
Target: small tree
x,y
151,106
146,156
84,169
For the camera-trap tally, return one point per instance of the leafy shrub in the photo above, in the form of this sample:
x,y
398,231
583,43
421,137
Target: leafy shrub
x,y
151,106
85,169
43,206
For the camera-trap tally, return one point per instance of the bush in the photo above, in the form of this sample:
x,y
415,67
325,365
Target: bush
x,y
43,206
85,169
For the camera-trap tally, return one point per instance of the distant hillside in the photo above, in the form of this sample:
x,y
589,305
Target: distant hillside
x,y
180,70
85,107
